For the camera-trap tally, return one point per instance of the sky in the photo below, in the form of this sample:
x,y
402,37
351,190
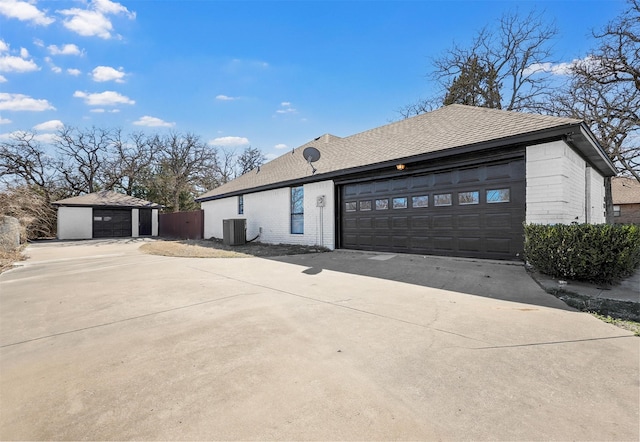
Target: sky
x,y
272,75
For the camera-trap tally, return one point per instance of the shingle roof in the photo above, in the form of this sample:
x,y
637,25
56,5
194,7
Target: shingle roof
x,y
106,198
625,190
446,128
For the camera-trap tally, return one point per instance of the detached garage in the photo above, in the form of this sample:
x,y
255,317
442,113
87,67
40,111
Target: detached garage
x,y
106,214
458,181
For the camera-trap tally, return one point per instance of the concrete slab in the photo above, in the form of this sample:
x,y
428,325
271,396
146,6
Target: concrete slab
x,y
108,343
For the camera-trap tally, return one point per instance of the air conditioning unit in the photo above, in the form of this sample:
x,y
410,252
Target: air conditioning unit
x,y
234,231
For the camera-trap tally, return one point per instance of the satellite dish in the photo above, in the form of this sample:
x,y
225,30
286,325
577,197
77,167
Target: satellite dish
x,y
311,154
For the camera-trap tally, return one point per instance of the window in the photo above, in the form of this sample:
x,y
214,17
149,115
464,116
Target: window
x,y
240,204
297,210
616,210
443,199
400,203
498,196
420,201
465,198
382,204
365,205
350,206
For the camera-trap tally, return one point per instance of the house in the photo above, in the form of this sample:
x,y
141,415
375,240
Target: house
x,y
106,214
458,181
626,200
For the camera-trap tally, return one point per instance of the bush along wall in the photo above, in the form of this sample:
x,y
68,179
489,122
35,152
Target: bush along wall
x,y
600,253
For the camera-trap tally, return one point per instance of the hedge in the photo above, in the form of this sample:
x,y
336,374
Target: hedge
x,y
600,253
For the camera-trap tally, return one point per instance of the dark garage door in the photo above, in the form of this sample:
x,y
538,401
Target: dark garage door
x,y
111,223
470,212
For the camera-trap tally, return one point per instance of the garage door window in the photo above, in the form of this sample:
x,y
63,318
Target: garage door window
x,y
498,196
365,205
466,198
350,206
420,201
382,204
400,203
443,199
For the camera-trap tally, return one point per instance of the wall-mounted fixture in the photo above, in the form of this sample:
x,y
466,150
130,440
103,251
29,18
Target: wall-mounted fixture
x,y
400,166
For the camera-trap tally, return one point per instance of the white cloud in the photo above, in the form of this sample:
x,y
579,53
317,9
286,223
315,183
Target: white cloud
x,y
554,69
20,102
5,121
107,73
38,42
47,138
97,111
74,72
285,108
106,98
3,79
11,63
49,126
56,69
280,146
24,53
67,49
24,11
94,20
230,141
225,98
152,122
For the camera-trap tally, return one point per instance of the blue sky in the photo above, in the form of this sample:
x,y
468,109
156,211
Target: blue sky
x,y
272,75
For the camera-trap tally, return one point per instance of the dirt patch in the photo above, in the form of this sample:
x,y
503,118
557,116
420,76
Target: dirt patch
x,y
9,257
216,249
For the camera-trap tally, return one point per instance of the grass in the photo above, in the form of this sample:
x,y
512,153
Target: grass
x,y
627,325
186,249
215,248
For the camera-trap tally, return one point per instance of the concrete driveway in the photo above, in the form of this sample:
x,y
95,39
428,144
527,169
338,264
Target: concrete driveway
x,y
99,341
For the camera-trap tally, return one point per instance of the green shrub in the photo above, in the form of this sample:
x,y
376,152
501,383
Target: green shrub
x,y
600,253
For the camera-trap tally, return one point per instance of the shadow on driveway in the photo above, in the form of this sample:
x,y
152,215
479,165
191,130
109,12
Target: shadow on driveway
x,y
508,281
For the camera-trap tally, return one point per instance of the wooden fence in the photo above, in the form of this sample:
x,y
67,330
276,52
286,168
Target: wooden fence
x,y
182,225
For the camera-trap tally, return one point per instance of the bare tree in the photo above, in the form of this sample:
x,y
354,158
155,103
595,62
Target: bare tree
x,y
83,157
604,91
25,161
183,160
512,52
250,158
130,162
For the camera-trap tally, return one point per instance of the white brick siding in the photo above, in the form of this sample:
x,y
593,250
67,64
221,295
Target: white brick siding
x,y
154,222
75,223
135,223
596,197
271,211
560,185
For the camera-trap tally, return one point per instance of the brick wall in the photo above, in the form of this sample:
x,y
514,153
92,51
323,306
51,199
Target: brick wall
x,y
270,211
557,188
75,222
629,214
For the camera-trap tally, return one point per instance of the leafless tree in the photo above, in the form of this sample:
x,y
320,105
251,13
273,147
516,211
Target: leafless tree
x,y
23,160
83,157
250,158
182,161
130,161
604,91
514,52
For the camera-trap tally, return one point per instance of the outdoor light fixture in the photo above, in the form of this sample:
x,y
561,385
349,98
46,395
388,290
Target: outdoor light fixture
x,y
400,166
